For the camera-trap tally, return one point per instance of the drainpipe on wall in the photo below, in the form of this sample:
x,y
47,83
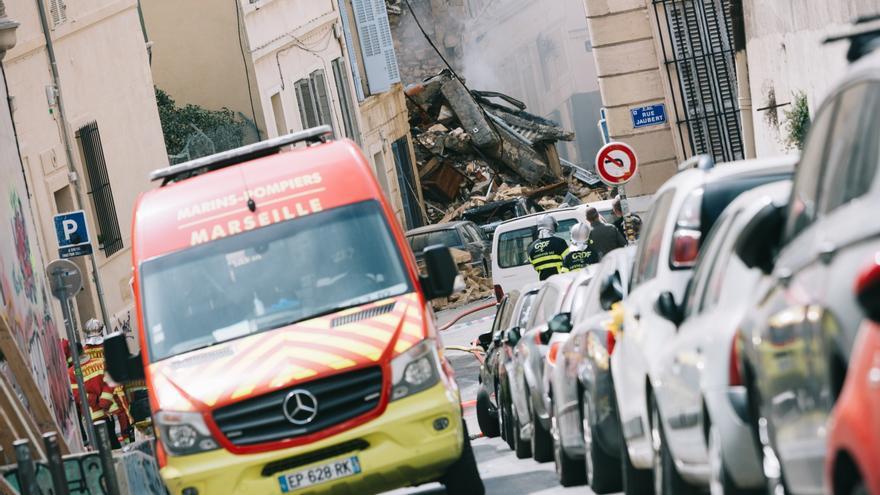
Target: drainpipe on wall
x,y
743,87
68,147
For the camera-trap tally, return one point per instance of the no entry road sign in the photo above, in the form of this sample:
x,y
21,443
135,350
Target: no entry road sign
x,y
616,163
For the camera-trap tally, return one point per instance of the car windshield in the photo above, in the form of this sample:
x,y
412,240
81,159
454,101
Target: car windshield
x,y
268,278
513,245
448,238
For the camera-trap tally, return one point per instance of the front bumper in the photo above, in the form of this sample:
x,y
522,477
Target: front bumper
x,y
404,449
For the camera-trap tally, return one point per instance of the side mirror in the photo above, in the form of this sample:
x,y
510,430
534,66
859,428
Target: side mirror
x,y
121,364
868,289
484,340
760,239
560,323
610,292
667,308
512,336
441,272
496,339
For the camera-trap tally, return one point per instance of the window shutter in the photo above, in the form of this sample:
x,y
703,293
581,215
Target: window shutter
x,y
58,11
349,118
377,47
307,112
350,49
319,89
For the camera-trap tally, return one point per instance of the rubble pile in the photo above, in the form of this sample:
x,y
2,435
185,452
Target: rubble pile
x,y
477,286
478,147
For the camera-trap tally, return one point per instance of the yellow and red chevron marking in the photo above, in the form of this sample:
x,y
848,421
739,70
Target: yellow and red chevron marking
x,y
265,362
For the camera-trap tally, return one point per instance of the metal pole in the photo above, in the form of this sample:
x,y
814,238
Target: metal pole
x,y
624,209
27,473
68,147
56,464
77,366
105,453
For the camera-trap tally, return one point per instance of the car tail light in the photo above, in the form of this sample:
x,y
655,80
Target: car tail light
x,y
554,350
610,340
499,292
734,374
686,237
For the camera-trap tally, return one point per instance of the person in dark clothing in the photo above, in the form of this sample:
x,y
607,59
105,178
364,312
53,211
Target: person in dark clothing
x,y
603,237
547,251
581,252
620,225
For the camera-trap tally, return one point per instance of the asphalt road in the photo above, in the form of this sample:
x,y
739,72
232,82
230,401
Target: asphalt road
x,y
502,472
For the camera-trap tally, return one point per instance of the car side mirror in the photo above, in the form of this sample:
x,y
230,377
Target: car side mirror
x,y
512,336
121,364
868,289
560,323
440,280
484,339
667,308
759,241
610,292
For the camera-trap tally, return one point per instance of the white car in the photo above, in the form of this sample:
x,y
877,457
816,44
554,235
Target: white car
x,y
700,395
684,210
511,269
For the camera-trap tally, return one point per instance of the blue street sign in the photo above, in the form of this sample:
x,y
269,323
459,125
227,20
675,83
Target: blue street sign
x,y
72,234
648,115
603,127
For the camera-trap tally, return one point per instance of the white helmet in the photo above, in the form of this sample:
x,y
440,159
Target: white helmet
x,y
94,332
580,232
547,226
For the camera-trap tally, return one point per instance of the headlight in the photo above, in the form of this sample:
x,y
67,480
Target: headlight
x,y
415,370
184,433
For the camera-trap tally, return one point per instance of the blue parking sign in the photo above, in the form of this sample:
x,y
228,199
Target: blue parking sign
x,y
72,234
648,115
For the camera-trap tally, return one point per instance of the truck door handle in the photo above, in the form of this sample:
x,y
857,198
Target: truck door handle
x,y
827,251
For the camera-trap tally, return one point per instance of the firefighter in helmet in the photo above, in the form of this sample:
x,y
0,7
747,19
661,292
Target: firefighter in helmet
x,y
547,251
580,253
118,411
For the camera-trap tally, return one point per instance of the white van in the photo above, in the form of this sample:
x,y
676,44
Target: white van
x,y
511,269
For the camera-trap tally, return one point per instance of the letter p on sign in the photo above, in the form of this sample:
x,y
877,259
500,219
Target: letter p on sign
x,y
69,227
72,234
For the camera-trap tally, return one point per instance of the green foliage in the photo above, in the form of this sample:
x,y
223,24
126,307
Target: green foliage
x,y
192,131
797,121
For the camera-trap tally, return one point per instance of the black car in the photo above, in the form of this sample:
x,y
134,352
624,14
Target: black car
x,y
487,397
462,235
582,376
490,215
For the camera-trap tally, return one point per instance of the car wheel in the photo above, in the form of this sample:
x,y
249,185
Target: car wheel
x,y
501,414
635,481
463,476
522,447
542,441
486,416
602,472
571,472
667,480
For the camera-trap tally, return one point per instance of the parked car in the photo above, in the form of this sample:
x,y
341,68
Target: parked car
x,y
507,379
699,413
459,235
511,269
684,211
487,395
853,431
797,345
528,365
490,215
581,381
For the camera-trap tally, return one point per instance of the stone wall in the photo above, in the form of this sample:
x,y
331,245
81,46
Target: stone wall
x,y
443,21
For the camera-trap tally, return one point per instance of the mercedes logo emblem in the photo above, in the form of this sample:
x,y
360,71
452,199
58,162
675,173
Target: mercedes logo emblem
x,y
300,407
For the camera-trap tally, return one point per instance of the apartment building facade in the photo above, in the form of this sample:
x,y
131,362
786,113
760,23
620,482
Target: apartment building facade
x,y
288,65
88,132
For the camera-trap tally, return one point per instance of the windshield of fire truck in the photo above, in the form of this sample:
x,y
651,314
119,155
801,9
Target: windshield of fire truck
x,y
269,278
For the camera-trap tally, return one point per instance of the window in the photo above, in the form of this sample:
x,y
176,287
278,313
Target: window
x,y
526,310
314,102
708,283
448,238
648,255
278,112
268,278
513,245
349,116
546,306
58,11
473,234
853,153
805,192
406,182
109,236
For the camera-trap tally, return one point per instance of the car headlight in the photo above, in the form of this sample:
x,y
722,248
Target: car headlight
x,y
184,433
415,370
